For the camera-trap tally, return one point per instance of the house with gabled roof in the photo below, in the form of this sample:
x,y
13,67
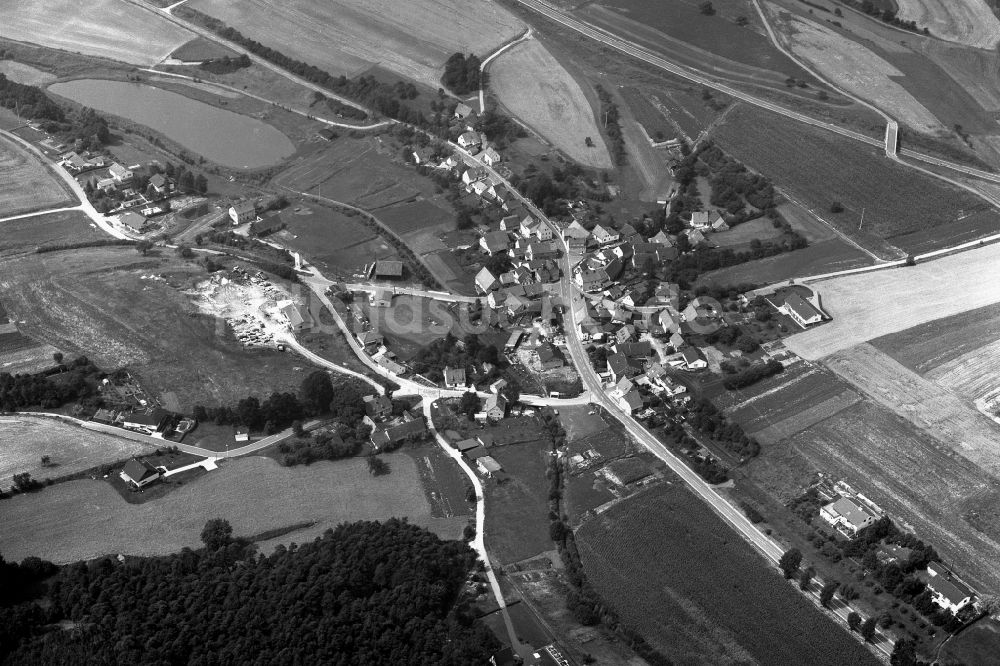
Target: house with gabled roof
x,y
470,140
495,242
662,238
949,593
604,235
847,515
454,377
700,219
388,436
120,173
549,357
618,367
486,281
490,156
693,359
801,311
695,237
718,222
139,473
243,212
463,111
631,402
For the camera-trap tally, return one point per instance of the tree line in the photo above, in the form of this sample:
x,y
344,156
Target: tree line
x,y
609,116
364,593
51,388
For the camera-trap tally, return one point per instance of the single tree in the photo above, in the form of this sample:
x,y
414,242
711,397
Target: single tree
x,y
826,594
904,653
143,247
868,629
805,578
218,533
316,392
46,461
706,8
790,562
377,466
57,357
854,620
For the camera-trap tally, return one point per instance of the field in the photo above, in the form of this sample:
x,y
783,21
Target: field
x,y
26,184
96,302
698,593
331,239
742,234
657,125
201,48
109,28
416,216
413,39
654,181
254,494
819,168
853,67
969,22
72,449
884,300
823,257
517,511
979,644
533,86
21,73
28,233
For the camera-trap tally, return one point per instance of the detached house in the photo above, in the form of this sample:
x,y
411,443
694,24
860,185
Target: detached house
x,y
243,212
847,515
949,593
604,236
491,157
692,359
495,242
454,377
470,141
139,473
486,281
800,310
121,174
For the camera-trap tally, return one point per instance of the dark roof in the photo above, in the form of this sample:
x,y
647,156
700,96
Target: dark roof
x,y
139,470
389,268
629,470
152,419
631,349
466,444
942,583
397,433
618,364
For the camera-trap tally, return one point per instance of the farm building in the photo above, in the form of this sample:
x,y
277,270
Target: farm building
x,y
847,515
139,473
377,407
370,339
513,340
463,110
488,466
134,221
454,377
243,212
495,242
380,297
949,593
604,236
242,434
626,471
267,225
397,434
466,445
469,140
294,318
494,407
159,183
388,269
152,421
486,281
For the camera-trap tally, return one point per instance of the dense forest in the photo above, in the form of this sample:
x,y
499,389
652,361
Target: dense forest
x,y
365,593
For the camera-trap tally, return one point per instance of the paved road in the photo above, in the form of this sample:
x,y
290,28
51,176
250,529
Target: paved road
x,y
426,293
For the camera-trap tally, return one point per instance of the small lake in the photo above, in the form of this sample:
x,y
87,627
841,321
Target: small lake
x,y
218,135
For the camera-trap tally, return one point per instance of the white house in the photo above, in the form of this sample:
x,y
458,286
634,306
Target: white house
x,y
470,140
139,473
243,212
949,593
692,359
491,157
847,515
800,310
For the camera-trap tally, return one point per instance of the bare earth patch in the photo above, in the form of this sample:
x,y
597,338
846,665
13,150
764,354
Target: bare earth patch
x,y
108,28
538,90
969,22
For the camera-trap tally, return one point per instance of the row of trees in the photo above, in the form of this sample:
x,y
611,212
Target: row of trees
x,y
452,352
753,374
364,593
609,116
704,417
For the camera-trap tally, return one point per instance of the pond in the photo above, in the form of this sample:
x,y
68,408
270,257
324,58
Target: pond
x,y
218,135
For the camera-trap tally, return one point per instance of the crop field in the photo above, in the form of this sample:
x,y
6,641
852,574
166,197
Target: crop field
x,y
533,86
969,22
819,169
976,375
884,301
938,412
26,439
853,67
700,594
823,257
413,39
517,511
109,28
96,302
85,519
28,233
919,348
920,482
26,184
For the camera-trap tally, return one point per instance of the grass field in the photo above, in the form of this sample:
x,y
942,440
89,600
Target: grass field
x,y
331,239
699,593
884,301
969,22
533,86
85,519
95,302
819,168
26,439
978,644
26,184
517,511
409,217
852,67
201,48
651,181
658,126
348,37
742,234
28,233
109,28
823,257
26,74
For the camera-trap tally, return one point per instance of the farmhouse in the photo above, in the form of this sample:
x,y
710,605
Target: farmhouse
x,y
377,407
695,237
847,515
490,156
139,473
294,318
605,236
159,184
267,225
949,593
134,221
495,242
454,377
494,407
463,110
243,212
370,339
700,220
121,174
662,238
692,359
388,269
383,437
631,402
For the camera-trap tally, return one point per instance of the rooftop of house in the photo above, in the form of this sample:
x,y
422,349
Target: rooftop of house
x,y
389,268
139,470
851,511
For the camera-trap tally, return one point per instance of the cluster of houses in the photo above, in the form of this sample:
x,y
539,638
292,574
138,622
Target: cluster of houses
x,y
371,340
389,431
704,222
77,163
155,422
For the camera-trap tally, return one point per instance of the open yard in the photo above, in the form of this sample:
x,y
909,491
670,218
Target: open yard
x,y
517,511
26,184
109,28
883,301
25,439
28,233
331,239
107,304
969,22
84,519
853,67
533,86
700,594
413,39
819,168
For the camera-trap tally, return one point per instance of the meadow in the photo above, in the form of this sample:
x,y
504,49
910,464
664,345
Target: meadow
x,y
46,229
531,84
25,439
517,511
254,494
823,257
699,593
109,28
27,184
819,169
96,302
412,39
